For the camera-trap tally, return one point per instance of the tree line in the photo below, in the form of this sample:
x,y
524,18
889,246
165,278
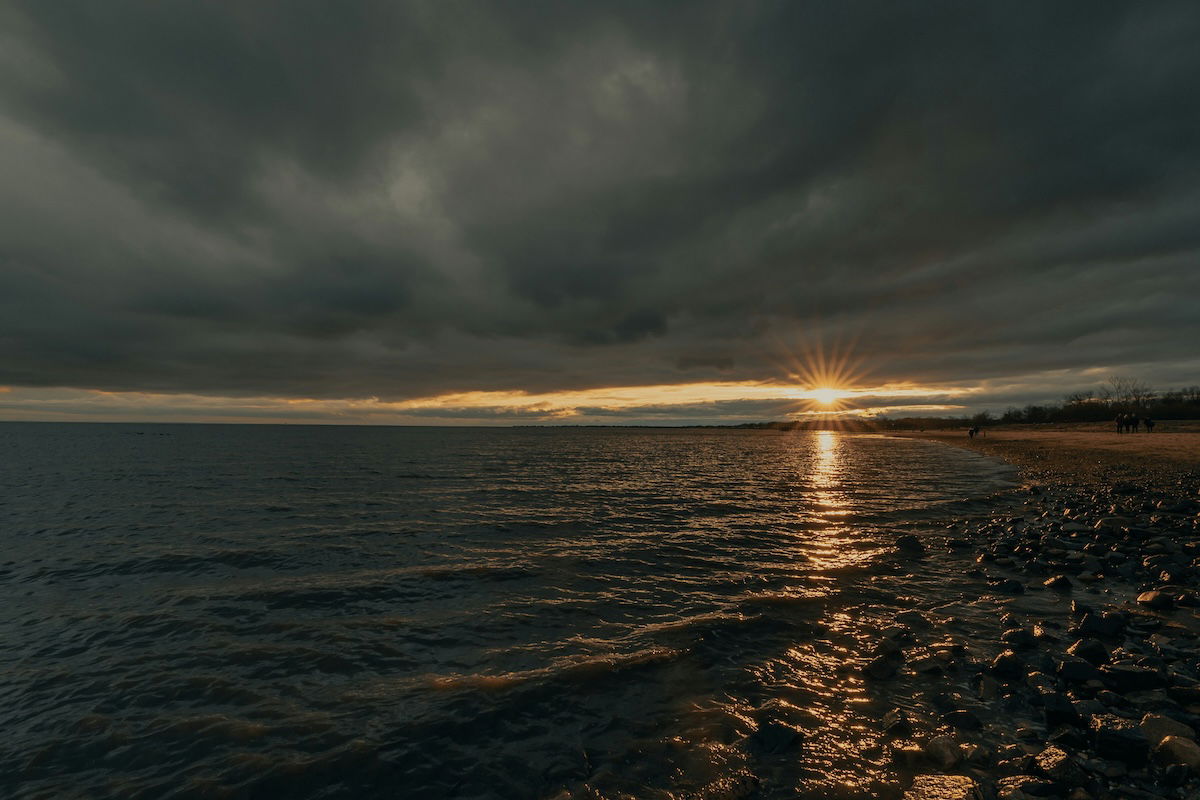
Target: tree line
x,y
1118,395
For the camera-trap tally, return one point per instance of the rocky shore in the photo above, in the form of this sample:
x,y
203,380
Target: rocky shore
x,y
1090,686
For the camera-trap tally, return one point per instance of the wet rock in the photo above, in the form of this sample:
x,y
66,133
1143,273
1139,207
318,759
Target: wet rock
x,y
975,754
943,787
1020,638
1117,738
962,720
943,752
880,668
1057,765
1178,750
1092,625
1077,670
1018,787
1125,678
1058,709
1059,583
1158,601
927,665
896,723
910,545
909,757
1009,586
1007,665
1091,650
775,737
1158,727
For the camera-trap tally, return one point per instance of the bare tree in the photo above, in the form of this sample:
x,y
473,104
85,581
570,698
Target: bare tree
x,y
1126,391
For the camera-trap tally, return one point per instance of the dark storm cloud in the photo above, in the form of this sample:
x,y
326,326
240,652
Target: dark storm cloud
x,y
396,200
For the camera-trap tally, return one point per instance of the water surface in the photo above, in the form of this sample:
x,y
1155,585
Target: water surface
x,y
308,612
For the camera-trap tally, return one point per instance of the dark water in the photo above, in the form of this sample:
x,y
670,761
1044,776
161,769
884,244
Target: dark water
x,y
256,611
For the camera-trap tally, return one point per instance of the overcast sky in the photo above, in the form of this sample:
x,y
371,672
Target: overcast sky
x,y
508,212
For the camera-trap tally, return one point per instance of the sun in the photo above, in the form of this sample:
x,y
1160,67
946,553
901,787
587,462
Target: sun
x,y
826,397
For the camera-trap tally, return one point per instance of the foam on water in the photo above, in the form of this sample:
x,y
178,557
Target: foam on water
x,y
256,611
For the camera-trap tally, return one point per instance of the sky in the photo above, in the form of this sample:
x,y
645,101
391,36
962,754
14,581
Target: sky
x,y
592,213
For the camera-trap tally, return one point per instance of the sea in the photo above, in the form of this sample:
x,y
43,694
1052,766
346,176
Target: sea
x,y
284,611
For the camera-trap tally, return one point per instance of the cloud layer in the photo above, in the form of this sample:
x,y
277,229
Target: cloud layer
x,y
399,201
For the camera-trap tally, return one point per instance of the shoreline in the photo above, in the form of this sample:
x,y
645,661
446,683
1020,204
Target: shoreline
x,y
1094,663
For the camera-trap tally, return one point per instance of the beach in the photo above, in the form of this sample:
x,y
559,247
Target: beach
x,y
1093,657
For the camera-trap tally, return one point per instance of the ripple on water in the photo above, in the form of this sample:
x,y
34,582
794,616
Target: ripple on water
x,y
254,611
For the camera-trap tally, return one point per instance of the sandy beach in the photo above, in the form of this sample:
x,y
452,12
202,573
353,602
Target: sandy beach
x,y
1095,571
1084,453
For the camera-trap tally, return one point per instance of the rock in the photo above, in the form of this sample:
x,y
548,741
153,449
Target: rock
x,y
909,757
1019,787
910,544
926,665
943,752
1077,670
1058,709
1178,750
1107,625
1125,678
1091,650
975,754
880,668
1008,665
962,720
943,787
1157,727
896,723
1058,766
1155,600
1009,586
776,737
1118,738
1020,638
1059,583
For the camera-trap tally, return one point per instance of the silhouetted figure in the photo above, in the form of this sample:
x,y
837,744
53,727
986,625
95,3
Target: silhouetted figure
x,y
971,432
1134,421
1149,423
1120,423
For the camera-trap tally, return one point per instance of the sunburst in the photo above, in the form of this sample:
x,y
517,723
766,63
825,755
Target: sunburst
x,y
828,376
